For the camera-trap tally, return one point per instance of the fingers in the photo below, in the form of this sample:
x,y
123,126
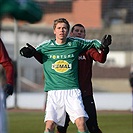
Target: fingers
x,y
22,51
28,45
105,37
27,51
109,39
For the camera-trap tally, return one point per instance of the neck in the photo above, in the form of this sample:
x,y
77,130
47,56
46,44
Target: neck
x,y
60,42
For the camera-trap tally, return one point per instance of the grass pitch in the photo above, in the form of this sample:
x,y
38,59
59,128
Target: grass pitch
x,y
26,121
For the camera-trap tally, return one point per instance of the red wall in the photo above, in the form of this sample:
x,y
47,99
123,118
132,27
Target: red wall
x,y
86,12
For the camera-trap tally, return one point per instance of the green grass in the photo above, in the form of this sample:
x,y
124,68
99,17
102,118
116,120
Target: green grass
x,y
115,122
32,122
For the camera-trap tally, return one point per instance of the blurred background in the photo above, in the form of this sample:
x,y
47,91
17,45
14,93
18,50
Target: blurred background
x,y
100,17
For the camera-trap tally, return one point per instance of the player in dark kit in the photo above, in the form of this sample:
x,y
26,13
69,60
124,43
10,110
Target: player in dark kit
x,y
7,64
7,87
86,59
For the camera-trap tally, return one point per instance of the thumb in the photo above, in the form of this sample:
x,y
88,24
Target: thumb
x,y
109,39
29,45
105,37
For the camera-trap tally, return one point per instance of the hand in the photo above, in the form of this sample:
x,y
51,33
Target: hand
x,y
8,89
106,41
28,51
106,50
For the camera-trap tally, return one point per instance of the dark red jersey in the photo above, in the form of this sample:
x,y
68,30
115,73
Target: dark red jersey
x,y
6,62
85,69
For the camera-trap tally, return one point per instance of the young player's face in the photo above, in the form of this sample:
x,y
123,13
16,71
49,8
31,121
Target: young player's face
x,y
78,32
61,31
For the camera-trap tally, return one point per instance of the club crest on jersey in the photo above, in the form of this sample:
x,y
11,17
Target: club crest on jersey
x,y
69,44
61,66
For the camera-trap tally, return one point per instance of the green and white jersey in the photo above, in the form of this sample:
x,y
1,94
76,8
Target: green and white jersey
x,y
60,62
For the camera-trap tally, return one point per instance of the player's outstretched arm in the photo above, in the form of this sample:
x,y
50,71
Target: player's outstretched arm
x,y
29,51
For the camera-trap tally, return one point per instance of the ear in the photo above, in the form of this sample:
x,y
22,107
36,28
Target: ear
x,y
54,32
85,35
71,34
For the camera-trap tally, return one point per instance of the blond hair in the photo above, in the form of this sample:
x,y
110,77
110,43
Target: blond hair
x,y
61,20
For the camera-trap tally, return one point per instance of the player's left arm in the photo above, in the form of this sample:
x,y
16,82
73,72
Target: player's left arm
x,y
7,64
9,71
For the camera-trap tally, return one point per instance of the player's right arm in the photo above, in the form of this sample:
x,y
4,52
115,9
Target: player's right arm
x,y
30,51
